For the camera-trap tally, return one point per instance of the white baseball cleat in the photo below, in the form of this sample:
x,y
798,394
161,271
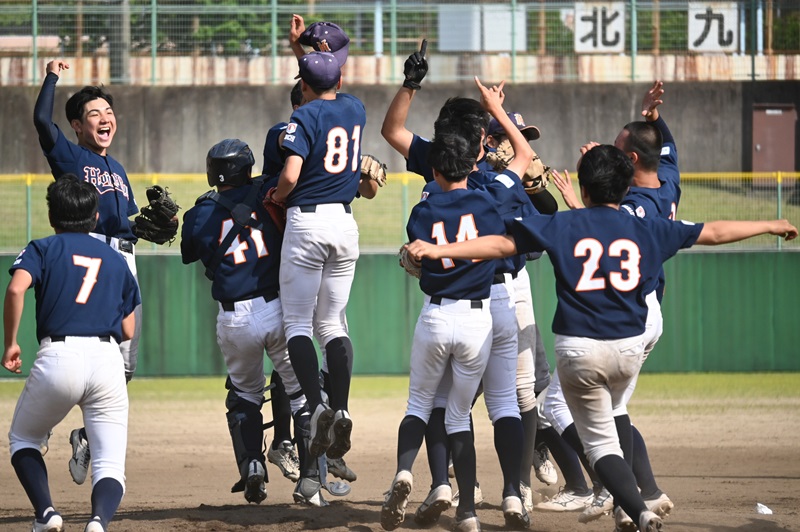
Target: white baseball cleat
x,y
661,505
438,501
393,510
321,423
467,523
527,496
94,526
603,503
478,495
255,489
623,522
514,513
566,501
308,491
545,470
340,434
285,457
51,522
79,463
650,522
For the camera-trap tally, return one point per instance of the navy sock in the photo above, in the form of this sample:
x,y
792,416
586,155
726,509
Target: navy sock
x,y
529,422
641,467
566,458
570,435
437,447
409,440
618,479
281,411
339,353
32,474
508,435
106,496
462,445
623,424
305,365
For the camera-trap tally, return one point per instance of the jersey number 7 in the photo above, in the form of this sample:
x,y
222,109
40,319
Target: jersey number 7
x,y
90,279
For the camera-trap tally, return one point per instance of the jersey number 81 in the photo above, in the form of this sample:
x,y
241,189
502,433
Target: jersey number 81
x,y
337,150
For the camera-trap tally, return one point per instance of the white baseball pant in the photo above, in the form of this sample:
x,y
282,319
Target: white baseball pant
x,y
82,371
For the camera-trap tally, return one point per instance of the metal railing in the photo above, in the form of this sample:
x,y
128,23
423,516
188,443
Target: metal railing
x,y
705,197
171,42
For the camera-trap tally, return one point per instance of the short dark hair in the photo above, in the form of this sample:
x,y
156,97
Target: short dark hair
x,y
453,156
469,130
606,173
77,101
72,204
465,109
645,140
296,96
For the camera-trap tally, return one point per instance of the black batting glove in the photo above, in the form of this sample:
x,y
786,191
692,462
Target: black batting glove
x,y
415,68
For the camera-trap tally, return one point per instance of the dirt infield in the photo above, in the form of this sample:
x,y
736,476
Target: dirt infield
x,y
715,458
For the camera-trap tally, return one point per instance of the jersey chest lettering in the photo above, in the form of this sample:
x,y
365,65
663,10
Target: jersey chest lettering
x,y
105,182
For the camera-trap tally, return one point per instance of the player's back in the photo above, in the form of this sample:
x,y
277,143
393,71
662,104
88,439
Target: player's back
x,y
327,135
81,285
251,263
274,156
455,216
604,262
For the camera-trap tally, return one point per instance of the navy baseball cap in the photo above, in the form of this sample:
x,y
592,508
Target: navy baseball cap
x,y
529,132
327,37
320,70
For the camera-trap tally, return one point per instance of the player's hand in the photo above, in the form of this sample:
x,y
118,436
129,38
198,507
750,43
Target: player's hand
x,y
492,98
56,66
296,28
419,249
586,147
564,185
651,101
12,360
784,229
415,68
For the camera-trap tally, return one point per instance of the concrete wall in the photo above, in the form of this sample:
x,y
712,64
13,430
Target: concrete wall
x,y
169,129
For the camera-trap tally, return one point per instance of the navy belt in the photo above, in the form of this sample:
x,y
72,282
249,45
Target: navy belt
x,y
229,306
500,278
105,338
474,303
313,208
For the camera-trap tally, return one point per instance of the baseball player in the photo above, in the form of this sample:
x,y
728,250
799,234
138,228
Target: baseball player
x,y
414,148
85,300
241,258
319,180
91,116
655,193
455,326
607,261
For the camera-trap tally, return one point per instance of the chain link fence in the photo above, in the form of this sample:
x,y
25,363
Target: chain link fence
x,y
705,197
217,42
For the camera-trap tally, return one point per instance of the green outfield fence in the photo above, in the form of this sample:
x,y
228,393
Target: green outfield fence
x,y
730,311
236,42
706,197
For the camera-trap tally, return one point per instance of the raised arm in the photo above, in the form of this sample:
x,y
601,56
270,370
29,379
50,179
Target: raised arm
x,y
725,232
296,28
492,101
43,110
394,123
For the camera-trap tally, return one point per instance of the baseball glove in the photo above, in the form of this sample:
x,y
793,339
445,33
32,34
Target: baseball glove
x,y
373,169
157,221
275,209
537,175
412,268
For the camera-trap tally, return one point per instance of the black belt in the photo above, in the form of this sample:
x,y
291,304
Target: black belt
x,y
313,208
474,303
229,306
500,278
105,338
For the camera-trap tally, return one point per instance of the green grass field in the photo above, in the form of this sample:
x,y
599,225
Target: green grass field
x,y
382,220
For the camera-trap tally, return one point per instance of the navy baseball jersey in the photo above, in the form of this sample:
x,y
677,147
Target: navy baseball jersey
x,y
274,156
455,216
659,202
252,263
327,135
106,174
604,260
83,287
417,162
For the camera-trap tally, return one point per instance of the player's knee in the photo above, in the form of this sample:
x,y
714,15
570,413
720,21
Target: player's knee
x,y
294,330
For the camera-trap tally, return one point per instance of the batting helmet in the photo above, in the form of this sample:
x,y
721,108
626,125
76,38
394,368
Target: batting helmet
x,y
229,163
